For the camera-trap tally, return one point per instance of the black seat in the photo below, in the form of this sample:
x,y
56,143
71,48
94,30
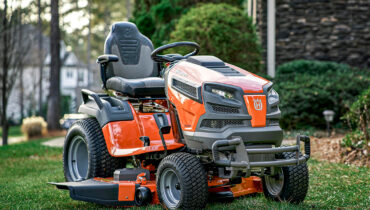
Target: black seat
x,y
151,86
135,74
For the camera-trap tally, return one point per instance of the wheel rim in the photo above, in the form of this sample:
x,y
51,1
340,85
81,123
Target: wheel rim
x,y
78,159
274,184
170,188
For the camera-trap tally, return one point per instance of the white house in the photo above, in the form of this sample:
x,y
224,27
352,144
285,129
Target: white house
x,y
73,77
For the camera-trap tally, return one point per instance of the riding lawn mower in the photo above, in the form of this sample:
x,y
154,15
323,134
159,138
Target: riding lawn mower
x,y
178,130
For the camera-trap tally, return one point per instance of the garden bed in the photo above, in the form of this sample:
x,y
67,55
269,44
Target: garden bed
x,y
330,149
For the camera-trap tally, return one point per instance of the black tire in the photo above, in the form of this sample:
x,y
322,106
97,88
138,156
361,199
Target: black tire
x,y
191,179
295,182
99,162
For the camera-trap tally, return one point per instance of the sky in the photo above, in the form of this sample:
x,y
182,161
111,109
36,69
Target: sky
x,y
70,22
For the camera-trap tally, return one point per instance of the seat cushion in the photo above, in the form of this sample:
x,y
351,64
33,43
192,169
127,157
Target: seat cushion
x,y
150,86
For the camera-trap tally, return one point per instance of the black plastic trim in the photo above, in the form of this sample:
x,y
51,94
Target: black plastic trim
x,y
105,108
197,98
94,191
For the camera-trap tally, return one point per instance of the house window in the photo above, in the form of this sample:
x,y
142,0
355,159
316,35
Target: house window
x,y
80,76
69,74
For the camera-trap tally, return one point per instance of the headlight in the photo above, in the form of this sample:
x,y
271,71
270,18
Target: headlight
x,y
272,96
223,93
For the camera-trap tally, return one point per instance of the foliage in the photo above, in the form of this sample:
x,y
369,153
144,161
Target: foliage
x,y
221,30
33,126
307,88
354,140
157,18
358,118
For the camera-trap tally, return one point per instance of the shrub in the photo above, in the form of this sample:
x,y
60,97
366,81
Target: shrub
x,y
221,30
157,18
307,88
355,139
33,126
358,118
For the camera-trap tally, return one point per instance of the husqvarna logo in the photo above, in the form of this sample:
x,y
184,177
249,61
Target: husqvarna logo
x,y
257,104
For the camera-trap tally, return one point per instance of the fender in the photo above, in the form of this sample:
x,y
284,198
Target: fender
x,y
104,108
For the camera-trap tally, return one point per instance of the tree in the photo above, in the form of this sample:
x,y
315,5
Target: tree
x,y
12,51
222,30
41,56
53,114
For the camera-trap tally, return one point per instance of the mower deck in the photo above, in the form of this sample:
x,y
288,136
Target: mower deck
x,y
106,191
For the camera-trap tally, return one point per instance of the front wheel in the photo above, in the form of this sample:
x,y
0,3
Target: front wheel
x,y
182,182
289,183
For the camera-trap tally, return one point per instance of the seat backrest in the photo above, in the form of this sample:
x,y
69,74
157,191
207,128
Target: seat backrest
x,y
133,50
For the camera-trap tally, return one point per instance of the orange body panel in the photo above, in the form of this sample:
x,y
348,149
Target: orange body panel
x,y
189,111
256,105
199,75
122,137
249,185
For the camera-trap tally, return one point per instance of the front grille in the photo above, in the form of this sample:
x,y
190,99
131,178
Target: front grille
x,y
221,123
187,89
224,109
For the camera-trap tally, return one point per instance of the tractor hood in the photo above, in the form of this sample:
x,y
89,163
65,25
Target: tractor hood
x,y
199,70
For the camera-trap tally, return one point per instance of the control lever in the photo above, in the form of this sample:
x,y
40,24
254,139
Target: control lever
x,y
164,128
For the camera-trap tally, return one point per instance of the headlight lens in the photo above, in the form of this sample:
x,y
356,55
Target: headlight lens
x,y
273,96
223,93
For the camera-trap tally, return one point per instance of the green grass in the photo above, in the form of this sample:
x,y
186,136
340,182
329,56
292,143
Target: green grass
x,y
13,131
26,168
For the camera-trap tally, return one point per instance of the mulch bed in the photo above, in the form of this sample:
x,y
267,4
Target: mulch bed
x,y
330,149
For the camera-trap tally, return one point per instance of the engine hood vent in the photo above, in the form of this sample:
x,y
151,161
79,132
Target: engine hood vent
x,y
214,63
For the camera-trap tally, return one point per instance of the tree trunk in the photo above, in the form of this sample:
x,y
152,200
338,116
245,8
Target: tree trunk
x,y
5,66
128,9
41,57
21,64
21,93
54,92
89,73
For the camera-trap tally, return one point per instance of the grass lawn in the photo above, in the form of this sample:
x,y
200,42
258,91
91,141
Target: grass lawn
x,y
26,168
13,131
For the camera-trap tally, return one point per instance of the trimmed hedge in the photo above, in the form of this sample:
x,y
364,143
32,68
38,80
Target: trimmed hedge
x,y
221,30
307,88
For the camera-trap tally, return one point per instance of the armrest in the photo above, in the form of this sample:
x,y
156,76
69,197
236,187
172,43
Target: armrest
x,y
104,60
107,58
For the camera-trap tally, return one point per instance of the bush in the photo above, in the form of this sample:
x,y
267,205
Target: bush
x,y
221,30
157,18
33,126
358,120
355,140
307,88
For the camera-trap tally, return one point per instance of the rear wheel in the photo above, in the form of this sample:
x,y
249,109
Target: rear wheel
x,y
85,153
182,182
289,183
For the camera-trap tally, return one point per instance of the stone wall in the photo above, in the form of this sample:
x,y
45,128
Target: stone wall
x,y
328,30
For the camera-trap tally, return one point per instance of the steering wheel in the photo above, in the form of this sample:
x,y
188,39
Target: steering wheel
x,y
173,57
